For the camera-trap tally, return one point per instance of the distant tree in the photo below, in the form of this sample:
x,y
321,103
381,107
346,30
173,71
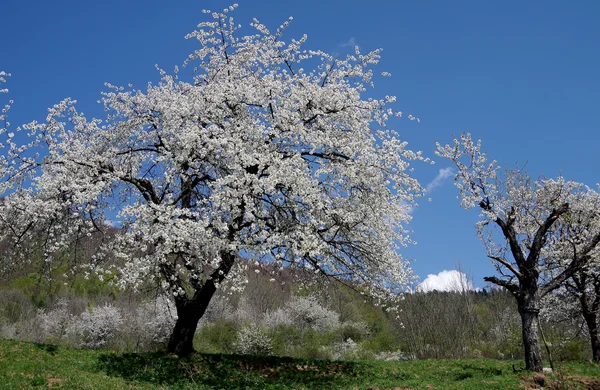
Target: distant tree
x,y
585,286
580,295
522,226
258,156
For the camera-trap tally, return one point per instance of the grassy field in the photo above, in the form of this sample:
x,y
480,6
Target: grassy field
x,y
28,366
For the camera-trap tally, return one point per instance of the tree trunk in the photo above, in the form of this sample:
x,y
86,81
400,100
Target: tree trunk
x,y
181,341
589,300
190,310
531,341
591,320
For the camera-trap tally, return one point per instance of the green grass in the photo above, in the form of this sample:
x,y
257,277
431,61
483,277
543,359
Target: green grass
x,y
29,366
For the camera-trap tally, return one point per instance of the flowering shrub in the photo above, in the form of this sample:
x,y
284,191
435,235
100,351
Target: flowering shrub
x,y
8,331
252,340
55,323
277,318
154,321
97,326
307,312
393,356
345,350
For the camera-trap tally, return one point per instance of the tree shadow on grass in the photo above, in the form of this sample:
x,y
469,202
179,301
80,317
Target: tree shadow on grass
x,y
229,371
50,348
471,369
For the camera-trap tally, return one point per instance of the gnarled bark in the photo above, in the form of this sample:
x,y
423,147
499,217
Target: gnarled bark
x,y
191,310
181,341
531,340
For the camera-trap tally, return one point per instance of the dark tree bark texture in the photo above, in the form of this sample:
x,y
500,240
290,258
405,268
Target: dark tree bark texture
x,y
191,310
592,323
531,340
586,285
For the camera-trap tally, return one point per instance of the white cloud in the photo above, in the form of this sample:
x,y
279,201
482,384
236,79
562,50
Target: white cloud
x,y
452,280
442,175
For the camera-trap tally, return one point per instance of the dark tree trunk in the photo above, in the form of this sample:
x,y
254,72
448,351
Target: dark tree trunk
x,y
191,310
589,302
181,341
531,341
591,319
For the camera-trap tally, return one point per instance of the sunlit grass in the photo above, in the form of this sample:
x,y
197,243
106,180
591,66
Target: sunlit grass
x,y
26,366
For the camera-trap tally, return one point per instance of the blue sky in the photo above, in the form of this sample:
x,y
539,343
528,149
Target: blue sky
x,y
522,75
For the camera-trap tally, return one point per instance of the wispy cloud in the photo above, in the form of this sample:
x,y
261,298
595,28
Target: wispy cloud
x,y
442,175
350,43
452,280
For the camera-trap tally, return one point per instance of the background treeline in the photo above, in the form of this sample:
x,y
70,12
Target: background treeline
x,y
278,318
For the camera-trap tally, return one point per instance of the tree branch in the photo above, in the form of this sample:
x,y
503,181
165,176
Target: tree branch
x,y
511,237
513,288
540,235
507,265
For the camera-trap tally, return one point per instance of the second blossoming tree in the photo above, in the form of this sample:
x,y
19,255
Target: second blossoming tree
x,y
538,233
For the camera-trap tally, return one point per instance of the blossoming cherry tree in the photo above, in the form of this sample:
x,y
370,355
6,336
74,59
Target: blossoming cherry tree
x,y
267,154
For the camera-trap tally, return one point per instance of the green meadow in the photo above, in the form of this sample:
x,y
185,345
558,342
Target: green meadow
x,y
40,366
